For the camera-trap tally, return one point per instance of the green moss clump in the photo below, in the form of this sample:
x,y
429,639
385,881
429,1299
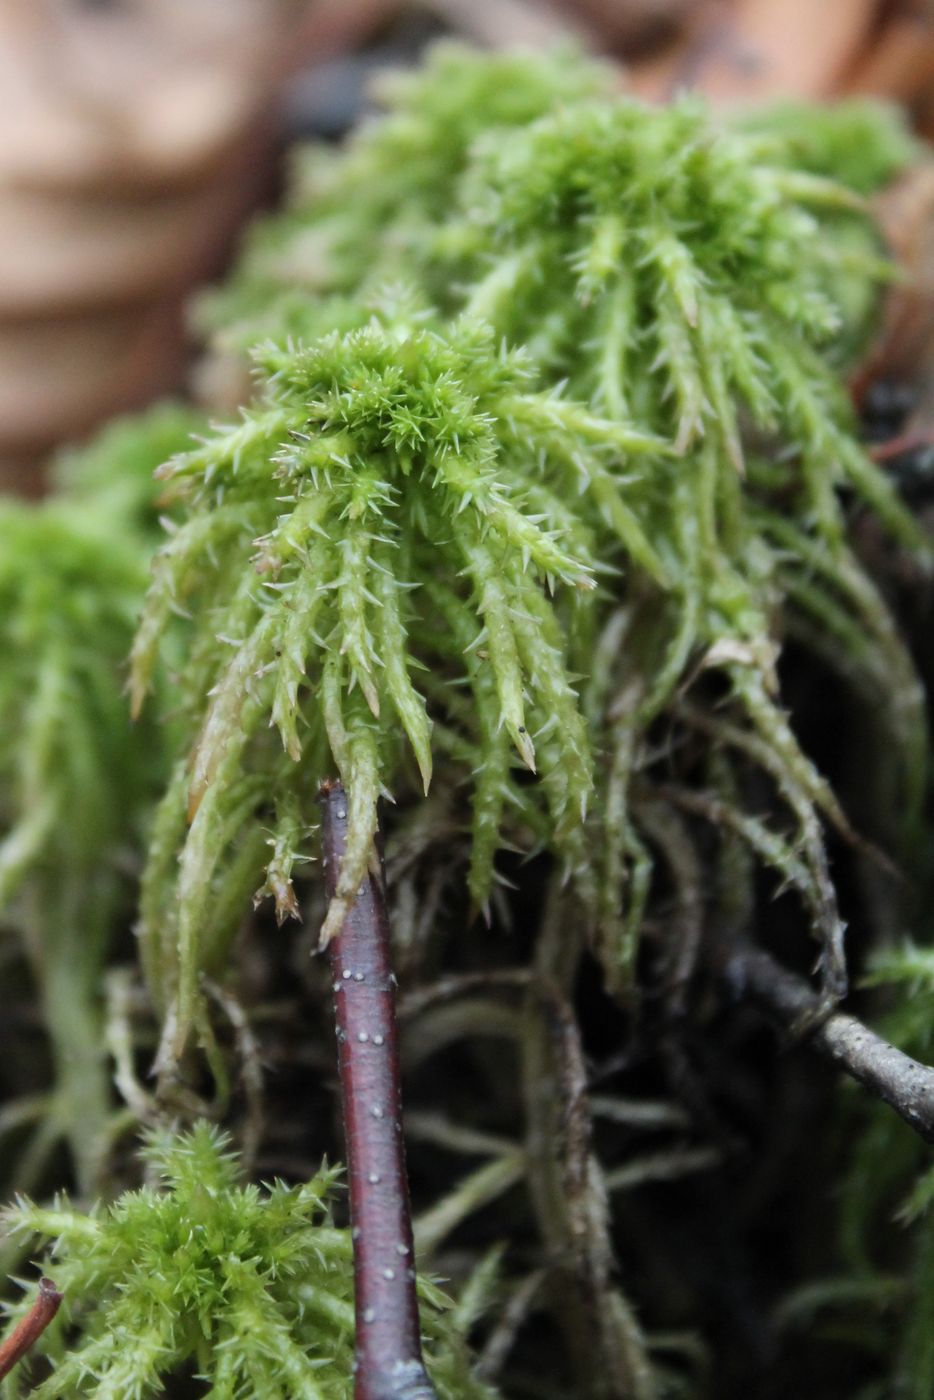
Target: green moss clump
x,y
249,1287
369,212
77,781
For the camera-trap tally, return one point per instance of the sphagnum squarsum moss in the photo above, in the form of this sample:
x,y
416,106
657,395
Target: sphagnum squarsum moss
x,y
422,492
549,448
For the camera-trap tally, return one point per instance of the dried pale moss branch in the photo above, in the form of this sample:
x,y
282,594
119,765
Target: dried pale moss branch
x,y
903,1083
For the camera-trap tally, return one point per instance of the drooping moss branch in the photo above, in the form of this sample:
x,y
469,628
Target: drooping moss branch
x,y
400,461
76,781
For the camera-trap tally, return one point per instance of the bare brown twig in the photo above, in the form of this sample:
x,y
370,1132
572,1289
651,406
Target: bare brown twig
x,y
28,1331
388,1351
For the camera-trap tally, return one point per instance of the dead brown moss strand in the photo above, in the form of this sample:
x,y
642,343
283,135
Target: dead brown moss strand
x,y
28,1331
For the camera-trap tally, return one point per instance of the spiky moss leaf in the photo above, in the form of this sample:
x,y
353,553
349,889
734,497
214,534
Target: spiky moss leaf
x,y
250,1287
673,266
381,470
694,250
683,273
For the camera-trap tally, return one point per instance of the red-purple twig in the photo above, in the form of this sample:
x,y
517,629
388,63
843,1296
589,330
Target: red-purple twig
x,y
903,442
30,1328
389,1362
